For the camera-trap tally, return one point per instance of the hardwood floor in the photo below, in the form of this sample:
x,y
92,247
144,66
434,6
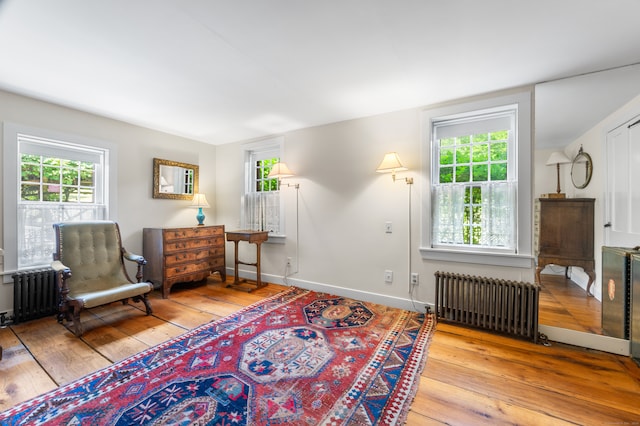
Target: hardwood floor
x,y
471,377
565,304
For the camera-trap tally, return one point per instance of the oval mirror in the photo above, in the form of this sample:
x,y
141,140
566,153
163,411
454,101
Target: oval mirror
x,y
174,180
581,169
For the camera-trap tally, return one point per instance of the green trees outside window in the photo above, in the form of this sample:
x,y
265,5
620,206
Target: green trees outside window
x,y
263,168
469,160
45,179
473,158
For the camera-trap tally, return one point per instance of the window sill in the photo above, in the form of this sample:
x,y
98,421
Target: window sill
x,y
497,259
277,239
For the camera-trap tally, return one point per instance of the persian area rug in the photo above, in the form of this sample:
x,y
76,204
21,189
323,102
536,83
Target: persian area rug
x,y
299,357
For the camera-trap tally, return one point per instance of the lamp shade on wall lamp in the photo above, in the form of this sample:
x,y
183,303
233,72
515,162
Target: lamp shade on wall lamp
x,y
556,158
279,171
200,202
391,164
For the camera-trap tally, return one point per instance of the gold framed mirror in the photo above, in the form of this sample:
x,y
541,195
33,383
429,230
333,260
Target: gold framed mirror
x,y
174,180
581,169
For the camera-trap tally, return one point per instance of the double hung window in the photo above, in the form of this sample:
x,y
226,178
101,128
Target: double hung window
x,y
59,182
50,178
262,206
474,181
478,204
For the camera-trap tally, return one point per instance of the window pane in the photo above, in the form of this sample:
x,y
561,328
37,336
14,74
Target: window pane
x,y
30,173
499,151
462,174
29,192
462,155
87,174
69,176
463,140
480,153
499,171
477,195
480,173
51,174
446,174
446,156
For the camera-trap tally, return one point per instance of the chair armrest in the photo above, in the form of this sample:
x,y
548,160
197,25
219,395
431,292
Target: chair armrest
x,y
134,257
140,260
58,266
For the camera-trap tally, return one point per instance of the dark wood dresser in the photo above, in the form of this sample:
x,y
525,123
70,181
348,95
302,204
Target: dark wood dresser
x,y
563,234
177,255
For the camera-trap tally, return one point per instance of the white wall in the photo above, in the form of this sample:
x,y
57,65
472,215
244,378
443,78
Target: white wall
x,y
136,148
343,207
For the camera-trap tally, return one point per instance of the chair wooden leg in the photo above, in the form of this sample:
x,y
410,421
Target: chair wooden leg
x,y
77,325
147,304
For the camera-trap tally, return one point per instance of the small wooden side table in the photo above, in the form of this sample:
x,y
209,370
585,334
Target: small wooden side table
x,y
252,237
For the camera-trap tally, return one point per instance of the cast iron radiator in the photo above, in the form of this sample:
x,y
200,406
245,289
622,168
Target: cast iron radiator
x,y
508,307
34,294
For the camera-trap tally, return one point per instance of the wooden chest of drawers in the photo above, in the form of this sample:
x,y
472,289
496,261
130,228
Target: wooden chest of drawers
x,y
177,255
563,234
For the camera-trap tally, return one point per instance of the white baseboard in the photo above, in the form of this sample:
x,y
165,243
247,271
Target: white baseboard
x,y
587,340
394,302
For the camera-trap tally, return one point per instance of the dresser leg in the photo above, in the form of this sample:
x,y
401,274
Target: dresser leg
x,y
592,278
538,270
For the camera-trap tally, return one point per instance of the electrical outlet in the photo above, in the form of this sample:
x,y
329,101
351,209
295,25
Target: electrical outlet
x,y
388,276
289,260
388,227
414,278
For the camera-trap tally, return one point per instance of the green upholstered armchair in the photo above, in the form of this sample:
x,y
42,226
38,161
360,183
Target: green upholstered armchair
x,y
90,268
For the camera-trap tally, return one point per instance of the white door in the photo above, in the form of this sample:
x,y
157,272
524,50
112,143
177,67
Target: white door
x,y
622,208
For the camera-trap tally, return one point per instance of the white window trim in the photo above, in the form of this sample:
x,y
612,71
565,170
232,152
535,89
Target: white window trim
x,y
274,143
523,256
11,161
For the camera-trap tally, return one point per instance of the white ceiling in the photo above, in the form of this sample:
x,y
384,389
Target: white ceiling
x,y
222,71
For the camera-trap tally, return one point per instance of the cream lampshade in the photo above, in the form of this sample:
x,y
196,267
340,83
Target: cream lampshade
x,y
279,171
200,202
391,164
